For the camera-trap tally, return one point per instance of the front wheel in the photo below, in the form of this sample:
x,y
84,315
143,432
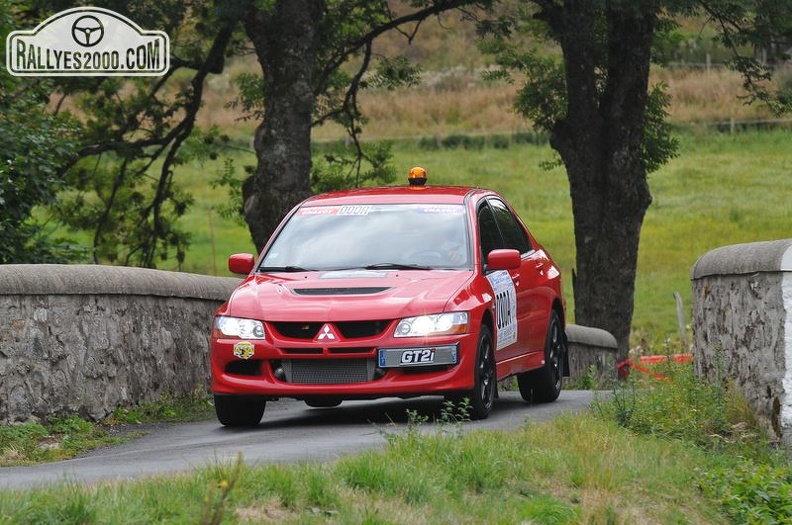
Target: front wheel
x,y
239,411
544,385
482,395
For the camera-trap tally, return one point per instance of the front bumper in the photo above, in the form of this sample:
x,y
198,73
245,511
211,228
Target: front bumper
x,y
285,369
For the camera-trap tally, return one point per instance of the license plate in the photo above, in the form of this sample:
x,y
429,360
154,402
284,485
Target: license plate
x,y
422,356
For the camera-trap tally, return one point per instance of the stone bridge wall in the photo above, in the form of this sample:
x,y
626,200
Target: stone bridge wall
x,y
742,326
85,339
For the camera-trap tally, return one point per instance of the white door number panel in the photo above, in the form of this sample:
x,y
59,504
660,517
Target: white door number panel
x,y
505,308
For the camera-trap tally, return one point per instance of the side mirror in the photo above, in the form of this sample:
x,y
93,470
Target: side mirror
x,y
241,263
504,259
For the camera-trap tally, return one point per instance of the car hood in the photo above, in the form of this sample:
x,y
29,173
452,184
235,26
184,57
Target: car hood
x,y
348,295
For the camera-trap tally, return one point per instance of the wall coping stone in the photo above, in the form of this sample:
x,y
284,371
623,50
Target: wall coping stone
x,y
91,279
590,336
739,259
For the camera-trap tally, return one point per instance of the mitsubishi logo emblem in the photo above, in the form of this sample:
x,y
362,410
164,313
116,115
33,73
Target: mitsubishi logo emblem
x,y
326,332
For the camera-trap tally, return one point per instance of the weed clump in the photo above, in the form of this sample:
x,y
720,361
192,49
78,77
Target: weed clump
x,y
752,480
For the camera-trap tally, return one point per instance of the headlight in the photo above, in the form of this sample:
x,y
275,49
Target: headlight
x,y
234,327
438,324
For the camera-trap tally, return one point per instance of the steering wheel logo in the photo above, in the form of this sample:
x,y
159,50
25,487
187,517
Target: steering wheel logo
x,y
87,31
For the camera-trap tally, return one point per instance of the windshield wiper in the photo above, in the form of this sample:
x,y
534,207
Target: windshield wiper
x,y
396,266
290,269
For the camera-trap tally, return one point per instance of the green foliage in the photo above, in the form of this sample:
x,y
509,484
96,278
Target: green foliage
x,y
57,439
681,407
392,73
575,469
479,142
192,407
659,145
475,143
225,478
65,437
590,381
250,98
73,506
751,493
83,149
20,441
134,214
34,146
543,96
751,482
336,169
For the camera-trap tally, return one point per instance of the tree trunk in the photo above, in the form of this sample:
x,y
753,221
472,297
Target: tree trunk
x,y
284,40
600,142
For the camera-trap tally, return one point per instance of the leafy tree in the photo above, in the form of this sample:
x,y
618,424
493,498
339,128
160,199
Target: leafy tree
x,y
95,141
608,124
134,128
313,57
34,142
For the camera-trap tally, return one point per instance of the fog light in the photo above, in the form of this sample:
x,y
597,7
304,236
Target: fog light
x,y
278,372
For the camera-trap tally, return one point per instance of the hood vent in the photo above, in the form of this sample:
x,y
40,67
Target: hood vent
x,y
340,291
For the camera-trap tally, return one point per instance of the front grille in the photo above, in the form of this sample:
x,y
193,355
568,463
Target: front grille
x,y
298,330
347,350
347,329
301,351
328,371
358,329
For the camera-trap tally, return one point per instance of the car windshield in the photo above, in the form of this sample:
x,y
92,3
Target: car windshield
x,y
376,236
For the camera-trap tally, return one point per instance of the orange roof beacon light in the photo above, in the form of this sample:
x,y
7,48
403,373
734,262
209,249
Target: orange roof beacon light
x,y
417,176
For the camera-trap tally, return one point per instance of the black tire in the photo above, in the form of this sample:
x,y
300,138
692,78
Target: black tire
x,y
485,384
323,402
239,411
544,385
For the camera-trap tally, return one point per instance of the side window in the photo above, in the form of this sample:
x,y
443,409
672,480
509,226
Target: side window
x,y
488,231
513,232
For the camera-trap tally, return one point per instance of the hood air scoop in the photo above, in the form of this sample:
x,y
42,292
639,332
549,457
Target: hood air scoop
x,y
340,291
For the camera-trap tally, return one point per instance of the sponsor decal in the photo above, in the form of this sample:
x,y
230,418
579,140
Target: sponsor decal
x,y
454,209
352,274
244,350
318,210
354,210
87,41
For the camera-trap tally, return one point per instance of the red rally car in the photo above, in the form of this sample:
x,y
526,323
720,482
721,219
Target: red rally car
x,y
391,292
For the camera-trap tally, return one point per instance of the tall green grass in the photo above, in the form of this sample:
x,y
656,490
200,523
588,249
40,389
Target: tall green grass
x,y
655,451
722,189
579,469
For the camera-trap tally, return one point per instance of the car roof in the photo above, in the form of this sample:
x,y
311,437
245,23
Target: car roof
x,y
397,195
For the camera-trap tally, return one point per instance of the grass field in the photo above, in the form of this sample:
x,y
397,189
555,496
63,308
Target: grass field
x,y
722,189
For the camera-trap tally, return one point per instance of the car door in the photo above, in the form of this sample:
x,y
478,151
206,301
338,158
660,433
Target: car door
x,y
510,339
527,279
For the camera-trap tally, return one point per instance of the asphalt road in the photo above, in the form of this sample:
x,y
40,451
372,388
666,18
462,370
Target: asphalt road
x,y
289,431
